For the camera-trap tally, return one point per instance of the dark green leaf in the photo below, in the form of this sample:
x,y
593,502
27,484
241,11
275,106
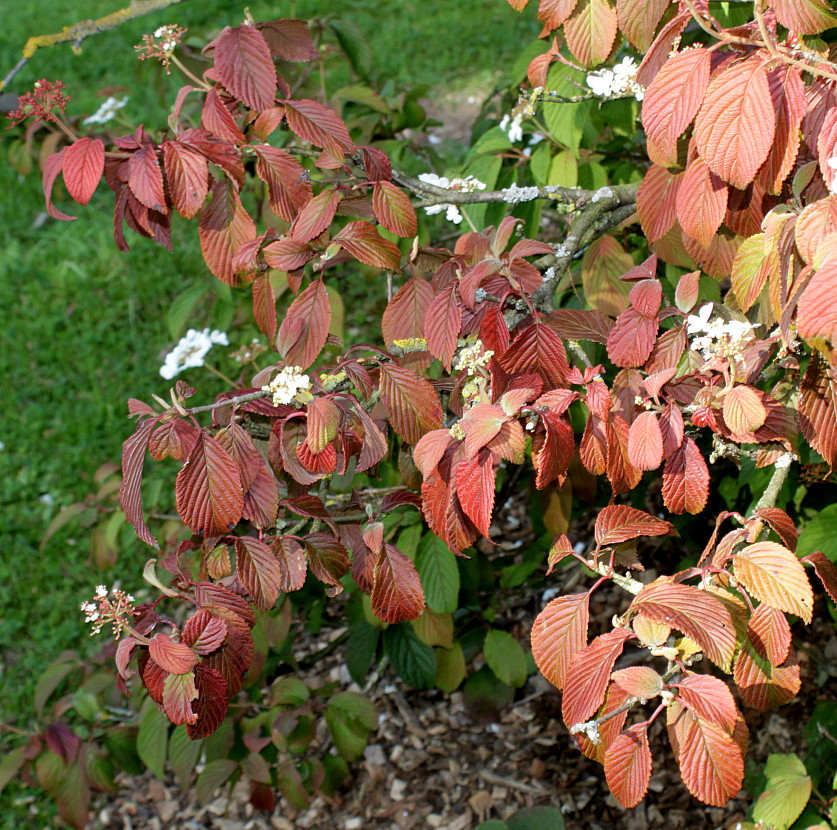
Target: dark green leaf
x,y
413,661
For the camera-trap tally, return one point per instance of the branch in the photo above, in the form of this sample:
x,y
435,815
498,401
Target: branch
x,y
777,481
78,32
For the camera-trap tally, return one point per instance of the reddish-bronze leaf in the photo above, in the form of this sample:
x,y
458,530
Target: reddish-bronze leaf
x,y
639,681
238,443
52,167
708,698
258,571
264,306
647,294
366,245
374,441
774,576
589,673
645,442
130,492
591,30
481,424
817,314
701,201
656,202
780,523
145,179
245,67
393,209
84,163
788,93
735,127
805,17
287,254
204,632
552,13
397,594
627,766
289,40
208,489
475,489
686,479
631,340
537,349
638,19
327,558
620,523
292,564
763,686
698,614
224,227
580,324
602,265
429,450
172,657
710,760
219,121
411,402
187,177
304,330
442,325
818,409
671,102
323,420
743,410
288,187
261,501
825,570
405,315
769,634
316,216
210,708
320,126
623,476
179,691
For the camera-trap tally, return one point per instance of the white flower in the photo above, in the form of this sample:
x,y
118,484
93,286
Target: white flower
x,y
107,111
512,126
287,385
47,498
101,592
718,338
615,82
467,185
191,351
472,358
697,323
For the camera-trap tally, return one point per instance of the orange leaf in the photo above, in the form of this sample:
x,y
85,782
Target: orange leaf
x,y
708,698
245,67
743,410
224,227
639,681
475,489
645,442
304,330
558,632
366,245
179,691
769,634
411,402
701,201
627,766
763,686
619,523
84,162
591,30
397,594
393,209
316,216
825,570
818,409
686,479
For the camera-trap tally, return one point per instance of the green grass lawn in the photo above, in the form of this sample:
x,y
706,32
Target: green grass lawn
x,y
85,326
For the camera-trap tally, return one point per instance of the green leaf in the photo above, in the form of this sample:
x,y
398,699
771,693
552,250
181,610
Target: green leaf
x,y
152,739
563,169
52,677
413,661
408,541
121,743
361,649
213,775
485,695
450,668
289,691
505,657
350,736
100,771
787,792
183,755
439,574
490,142
355,706
565,122
182,307
537,818
494,824
336,772
72,795
10,765
820,534
529,53
290,784
353,42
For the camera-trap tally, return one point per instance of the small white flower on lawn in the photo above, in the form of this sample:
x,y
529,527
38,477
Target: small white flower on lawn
x,y
191,351
107,111
287,385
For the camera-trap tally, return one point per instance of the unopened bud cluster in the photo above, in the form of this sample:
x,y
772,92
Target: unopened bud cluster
x,y
113,607
160,45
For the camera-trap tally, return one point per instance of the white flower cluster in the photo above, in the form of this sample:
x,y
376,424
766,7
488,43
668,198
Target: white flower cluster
x,y
472,358
832,163
512,126
191,351
103,610
514,194
107,111
466,185
169,37
287,385
718,338
621,80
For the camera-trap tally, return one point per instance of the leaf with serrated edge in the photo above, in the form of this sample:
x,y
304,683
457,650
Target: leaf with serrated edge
x,y
397,593
627,766
619,523
708,698
84,163
258,571
393,209
245,67
405,314
763,686
686,479
558,632
774,576
770,634
411,402
825,570
639,681
304,330
645,442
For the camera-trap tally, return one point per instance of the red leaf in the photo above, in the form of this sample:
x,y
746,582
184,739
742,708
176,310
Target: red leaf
x,y
825,570
818,409
319,126
672,101
374,441
711,762
397,594
580,324
287,254
429,450
130,492
620,523
84,163
208,489
558,632
538,349
805,17
411,402
701,201
393,209
288,187
763,686
698,614
264,306
780,523
735,127
589,673
292,563
289,40
632,338
187,176
638,20
552,450
304,330
442,325
238,443
817,314
258,571
686,479
788,93
475,489
52,167
323,420
656,202
233,660
710,699
204,632
210,708
623,476
179,691
316,216
327,558
664,44
405,315
145,179
552,13
481,424
245,67
627,766
172,657
365,244
224,227
646,295
261,501
219,121
769,634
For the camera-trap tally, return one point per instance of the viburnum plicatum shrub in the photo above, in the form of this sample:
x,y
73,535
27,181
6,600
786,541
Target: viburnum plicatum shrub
x,y
480,363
